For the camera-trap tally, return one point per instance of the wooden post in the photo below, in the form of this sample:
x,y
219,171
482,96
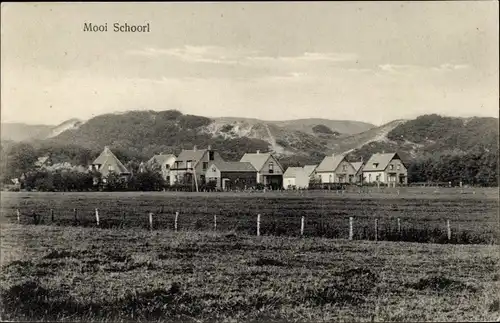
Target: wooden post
x,y
258,225
75,215
302,226
448,229
18,213
350,228
151,221
51,215
376,229
215,222
399,227
175,222
97,216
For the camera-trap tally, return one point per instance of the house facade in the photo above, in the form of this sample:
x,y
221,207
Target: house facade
x,y
193,164
385,168
162,164
269,170
358,167
336,169
108,163
231,175
296,178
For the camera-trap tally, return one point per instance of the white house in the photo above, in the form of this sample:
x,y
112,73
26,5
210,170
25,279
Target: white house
x,y
335,169
385,168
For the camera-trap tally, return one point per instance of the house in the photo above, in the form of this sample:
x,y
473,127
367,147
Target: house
x,y
161,163
311,172
231,175
358,167
191,163
385,168
295,178
336,169
43,162
269,170
108,163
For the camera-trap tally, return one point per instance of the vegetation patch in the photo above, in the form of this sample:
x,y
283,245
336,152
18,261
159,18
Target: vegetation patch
x,y
440,283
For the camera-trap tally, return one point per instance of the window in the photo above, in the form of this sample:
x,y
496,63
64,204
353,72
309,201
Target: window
x,y
375,165
399,167
211,155
189,164
271,167
331,178
391,166
344,167
167,166
110,168
205,165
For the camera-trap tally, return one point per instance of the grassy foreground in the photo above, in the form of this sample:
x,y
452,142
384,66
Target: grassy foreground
x,y
74,273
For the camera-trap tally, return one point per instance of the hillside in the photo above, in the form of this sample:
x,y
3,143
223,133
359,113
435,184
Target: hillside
x,y
137,135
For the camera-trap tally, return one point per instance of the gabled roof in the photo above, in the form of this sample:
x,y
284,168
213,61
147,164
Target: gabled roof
x,y
381,161
233,166
257,159
160,159
357,166
309,169
190,154
106,159
41,160
330,163
293,172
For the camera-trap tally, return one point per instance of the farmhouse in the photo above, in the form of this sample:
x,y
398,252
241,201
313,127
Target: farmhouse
x,y
162,164
269,170
191,164
232,175
358,167
108,163
385,168
336,169
295,178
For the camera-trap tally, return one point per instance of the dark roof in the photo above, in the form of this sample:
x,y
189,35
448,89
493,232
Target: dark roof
x,y
106,159
234,166
193,155
380,160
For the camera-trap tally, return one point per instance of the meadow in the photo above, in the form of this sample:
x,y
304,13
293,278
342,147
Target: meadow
x,y
62,273
422,212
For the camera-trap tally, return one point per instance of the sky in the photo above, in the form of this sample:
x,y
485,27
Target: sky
x,y
365,61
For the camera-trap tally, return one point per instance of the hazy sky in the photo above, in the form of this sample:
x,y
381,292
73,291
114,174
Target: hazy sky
x,y
364,61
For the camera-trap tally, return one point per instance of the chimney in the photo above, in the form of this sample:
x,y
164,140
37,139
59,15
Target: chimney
x,y
194,148
209,147
258,151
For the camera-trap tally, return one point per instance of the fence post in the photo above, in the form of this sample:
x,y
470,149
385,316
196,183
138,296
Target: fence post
x,y
74,215
97,216
376,230
448,229
350,228
18,213
51,215
215,222
399,227
258,225
151,221
302,226
175,222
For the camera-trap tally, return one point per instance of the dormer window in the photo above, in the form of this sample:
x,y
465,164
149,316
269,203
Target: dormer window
x,y
375,165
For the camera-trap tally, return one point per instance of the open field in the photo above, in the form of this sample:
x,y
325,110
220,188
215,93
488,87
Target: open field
x,y
423,212
75,273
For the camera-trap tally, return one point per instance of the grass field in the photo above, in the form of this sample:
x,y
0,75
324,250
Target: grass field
x,y
423,212
75,273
